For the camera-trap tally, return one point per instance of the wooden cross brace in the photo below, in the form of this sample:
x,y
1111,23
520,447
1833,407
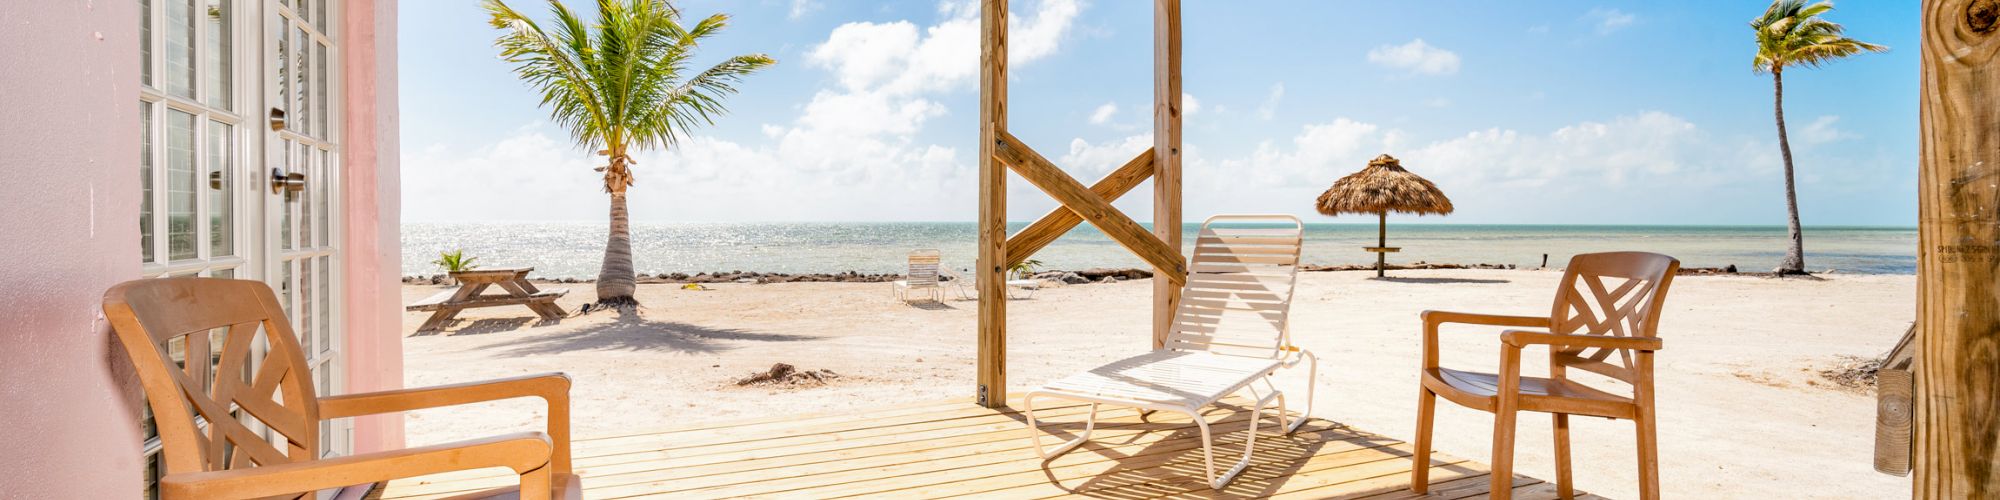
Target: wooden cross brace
x,y
1080,203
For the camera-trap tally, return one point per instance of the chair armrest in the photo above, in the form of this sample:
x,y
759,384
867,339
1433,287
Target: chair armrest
x,y
1521,338
553,388
1434,318
522,452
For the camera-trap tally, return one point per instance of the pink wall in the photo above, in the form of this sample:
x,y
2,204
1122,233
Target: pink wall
x,y
373,247
69,205
69,154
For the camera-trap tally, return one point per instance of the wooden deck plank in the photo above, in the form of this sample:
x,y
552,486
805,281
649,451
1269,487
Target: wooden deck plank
x,y
619,469
952,448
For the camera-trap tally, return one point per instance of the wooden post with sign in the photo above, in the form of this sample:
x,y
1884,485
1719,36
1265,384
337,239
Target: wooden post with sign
x,y
1957,435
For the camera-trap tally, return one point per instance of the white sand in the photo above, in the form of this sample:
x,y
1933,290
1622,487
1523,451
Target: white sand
x,y
1743,413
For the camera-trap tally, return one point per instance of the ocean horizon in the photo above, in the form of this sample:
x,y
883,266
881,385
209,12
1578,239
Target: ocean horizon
x,y
575,249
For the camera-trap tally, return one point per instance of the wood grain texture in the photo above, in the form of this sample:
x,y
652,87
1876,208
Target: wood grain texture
x,y
1958,305
1167,154
990,271
1057,222
941,449
1051,179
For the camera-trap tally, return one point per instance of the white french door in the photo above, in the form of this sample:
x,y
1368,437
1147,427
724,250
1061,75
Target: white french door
x,y
240,164
302,203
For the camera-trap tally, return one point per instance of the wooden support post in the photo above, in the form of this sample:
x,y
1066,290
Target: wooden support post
x,y
1957,451
1382,242
1167,157
991,271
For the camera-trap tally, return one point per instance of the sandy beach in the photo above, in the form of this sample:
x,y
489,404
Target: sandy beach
x,y
1744,411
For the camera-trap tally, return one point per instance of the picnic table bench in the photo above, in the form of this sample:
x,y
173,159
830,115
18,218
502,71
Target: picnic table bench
x,y
468,294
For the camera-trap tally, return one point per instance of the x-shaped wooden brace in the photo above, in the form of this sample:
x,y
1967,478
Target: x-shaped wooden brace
x,y
1080,204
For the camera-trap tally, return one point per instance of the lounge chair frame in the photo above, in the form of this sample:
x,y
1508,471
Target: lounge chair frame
x,y
925,265
1242,259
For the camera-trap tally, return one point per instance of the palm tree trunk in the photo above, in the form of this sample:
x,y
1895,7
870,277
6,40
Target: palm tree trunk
x,y
616,282
1795,254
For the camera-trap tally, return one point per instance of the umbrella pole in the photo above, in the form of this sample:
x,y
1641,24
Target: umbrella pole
x,y
1382,244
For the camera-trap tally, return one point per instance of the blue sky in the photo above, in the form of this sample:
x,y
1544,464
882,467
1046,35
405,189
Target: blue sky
x,y
1535,112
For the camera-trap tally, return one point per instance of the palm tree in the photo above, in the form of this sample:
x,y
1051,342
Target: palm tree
x,y
620,85
1791,33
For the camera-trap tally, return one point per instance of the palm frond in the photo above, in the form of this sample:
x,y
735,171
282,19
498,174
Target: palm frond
x,y
556,66
1792,33
626,81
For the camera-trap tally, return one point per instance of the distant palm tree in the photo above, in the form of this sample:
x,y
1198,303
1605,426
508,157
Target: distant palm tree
x,y
1791,33
621,84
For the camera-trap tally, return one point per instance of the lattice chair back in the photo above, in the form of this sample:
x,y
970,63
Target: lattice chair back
x,y
1238,296
1614,293
924,268
196,343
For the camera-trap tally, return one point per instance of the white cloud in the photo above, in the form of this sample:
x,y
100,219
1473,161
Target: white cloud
x,y
1189,105
1623,169
1606,21
895,57
1415,57
1088,161
1270,106
1104,113
1317,151
1650,145
1822,131
802,7
1438,102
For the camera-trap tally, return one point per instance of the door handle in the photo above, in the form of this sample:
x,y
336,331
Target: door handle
x,y
288,184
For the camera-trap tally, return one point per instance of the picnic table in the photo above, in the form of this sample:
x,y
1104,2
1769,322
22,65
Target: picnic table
x,y
468,294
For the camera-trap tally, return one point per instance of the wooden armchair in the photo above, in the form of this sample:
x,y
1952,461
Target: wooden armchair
x,y
1605,321
244,422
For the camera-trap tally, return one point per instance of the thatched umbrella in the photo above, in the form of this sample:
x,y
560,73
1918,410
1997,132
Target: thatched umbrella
x,y
1381,188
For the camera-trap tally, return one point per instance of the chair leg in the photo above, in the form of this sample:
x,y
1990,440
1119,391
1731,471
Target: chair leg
x,y
1217,481
1035,435
1649,454
1420,470
1565,489
1503,451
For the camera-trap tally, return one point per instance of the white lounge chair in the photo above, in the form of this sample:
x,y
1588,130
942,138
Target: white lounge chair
x,y
1230,334
922,277
968,289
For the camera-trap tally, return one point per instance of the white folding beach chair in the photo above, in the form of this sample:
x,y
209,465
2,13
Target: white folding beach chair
x,y
1230,334
968,288
922,277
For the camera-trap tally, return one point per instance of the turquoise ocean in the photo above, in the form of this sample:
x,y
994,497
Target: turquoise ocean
x,y
574,250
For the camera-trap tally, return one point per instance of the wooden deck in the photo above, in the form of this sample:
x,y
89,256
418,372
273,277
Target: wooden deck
x,y
955,448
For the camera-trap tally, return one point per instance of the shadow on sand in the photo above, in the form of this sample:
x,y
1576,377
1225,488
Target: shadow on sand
x,y
633,332
930,306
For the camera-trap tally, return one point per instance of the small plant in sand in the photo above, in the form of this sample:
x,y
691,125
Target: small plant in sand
x,y
1026,268
455,261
